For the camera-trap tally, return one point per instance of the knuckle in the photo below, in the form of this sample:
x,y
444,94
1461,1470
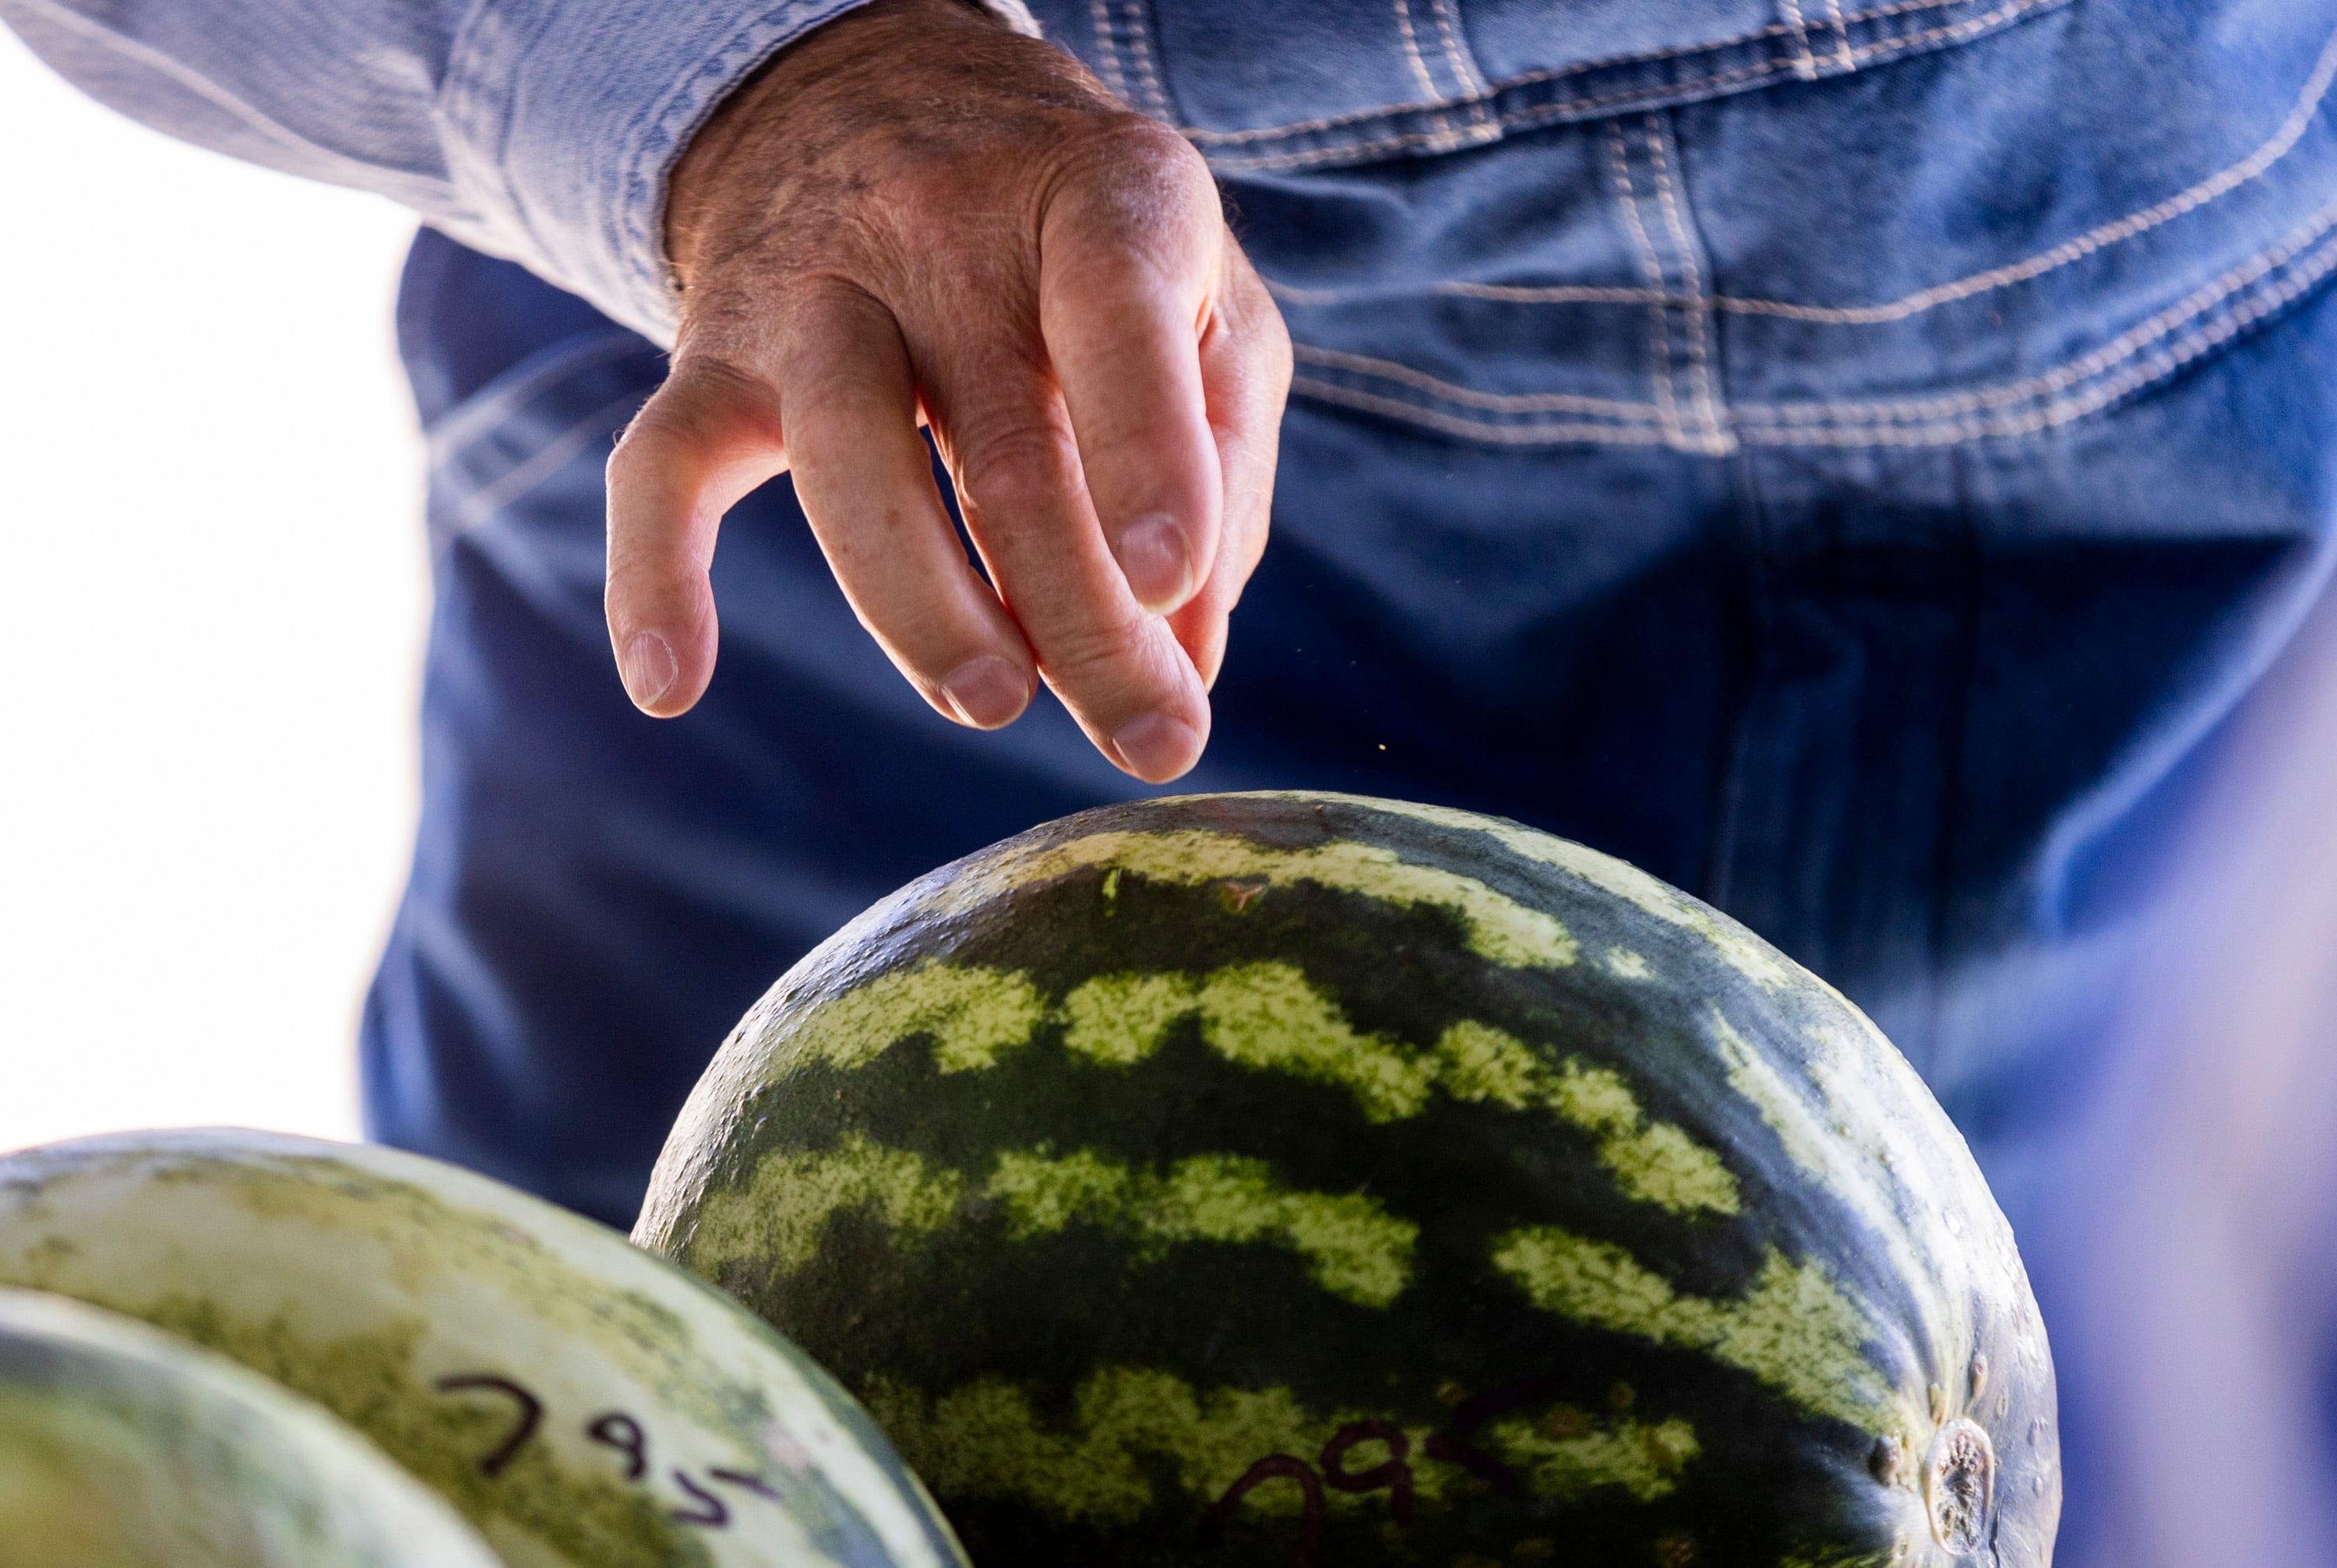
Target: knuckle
x,y
1144,144
748,313
1027,465
705,399
813,295
839,343
1250,311
704,383
1104,659
1120,451
652,426
1142,174
647,445
1274,350
1250,340
651,582
1283,370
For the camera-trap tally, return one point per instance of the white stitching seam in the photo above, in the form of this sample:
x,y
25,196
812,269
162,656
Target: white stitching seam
x,y
1456,50
1805,65
1108,48
1411,50
1697,322
2278,146
1520,294
1207,137
1841,26
1476,430
1563,108
1659,362
2063,410
2154,347
1147,70
2282,142
2085,367
1447,135
1878,13
1566,294
1504,402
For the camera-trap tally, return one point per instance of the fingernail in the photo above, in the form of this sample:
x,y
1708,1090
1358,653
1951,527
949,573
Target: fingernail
x,y
1156,747
1153,558
987,691
648,668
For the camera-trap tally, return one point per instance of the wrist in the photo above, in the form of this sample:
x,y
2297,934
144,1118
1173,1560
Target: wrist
x,y
881,77
741,124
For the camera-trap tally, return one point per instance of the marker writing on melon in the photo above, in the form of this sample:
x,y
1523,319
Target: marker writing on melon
x,y
610,1429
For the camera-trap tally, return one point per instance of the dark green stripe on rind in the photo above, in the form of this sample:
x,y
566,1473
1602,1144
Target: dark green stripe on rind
x,y
1795,1329
987,1440
1633,1151
1265,1017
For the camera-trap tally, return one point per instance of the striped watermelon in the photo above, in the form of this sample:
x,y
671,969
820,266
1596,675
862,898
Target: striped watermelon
x,y
1300,1178
586,1404
122,1447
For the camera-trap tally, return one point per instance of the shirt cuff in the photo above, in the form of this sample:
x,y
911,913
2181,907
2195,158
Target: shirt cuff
x,y
564,118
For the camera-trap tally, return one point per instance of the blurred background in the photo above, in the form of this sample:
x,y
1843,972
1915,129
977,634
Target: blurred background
x,y
209,482
2182,1252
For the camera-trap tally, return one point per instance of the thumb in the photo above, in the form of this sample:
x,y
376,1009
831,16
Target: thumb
x,y
706,438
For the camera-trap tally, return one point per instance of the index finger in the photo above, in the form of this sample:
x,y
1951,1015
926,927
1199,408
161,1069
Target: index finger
x,y
1128,255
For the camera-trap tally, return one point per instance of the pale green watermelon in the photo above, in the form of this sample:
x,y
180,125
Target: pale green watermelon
x,y
586,1404
1277,1180
122,1447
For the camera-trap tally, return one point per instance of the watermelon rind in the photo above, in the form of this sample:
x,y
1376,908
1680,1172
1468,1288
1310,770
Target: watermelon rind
x,y
1290,1179
123,1448
585,1404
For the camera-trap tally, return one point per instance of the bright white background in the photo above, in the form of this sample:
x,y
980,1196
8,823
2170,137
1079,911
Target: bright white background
x,y
215,588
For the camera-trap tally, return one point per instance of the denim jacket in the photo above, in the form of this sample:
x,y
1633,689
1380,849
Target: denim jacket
x,y
2109,188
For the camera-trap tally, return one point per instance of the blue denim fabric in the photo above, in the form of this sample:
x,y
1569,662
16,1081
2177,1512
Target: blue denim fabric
x,y
1847,461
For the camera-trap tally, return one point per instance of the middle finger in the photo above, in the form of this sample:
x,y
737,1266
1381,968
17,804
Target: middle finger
x,y
1003,431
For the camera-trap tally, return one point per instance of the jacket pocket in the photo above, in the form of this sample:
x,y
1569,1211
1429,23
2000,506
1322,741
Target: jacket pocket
x,y
1263,86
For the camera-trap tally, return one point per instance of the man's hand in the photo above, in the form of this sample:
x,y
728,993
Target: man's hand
x,y
916,214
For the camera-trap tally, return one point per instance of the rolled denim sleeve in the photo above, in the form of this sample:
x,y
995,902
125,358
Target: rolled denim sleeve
x,y
538,130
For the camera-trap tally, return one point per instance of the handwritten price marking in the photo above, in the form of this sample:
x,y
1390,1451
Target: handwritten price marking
x,y
531,1415
1392,1474
620,1431
1274,1466
613,1429
709,1511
